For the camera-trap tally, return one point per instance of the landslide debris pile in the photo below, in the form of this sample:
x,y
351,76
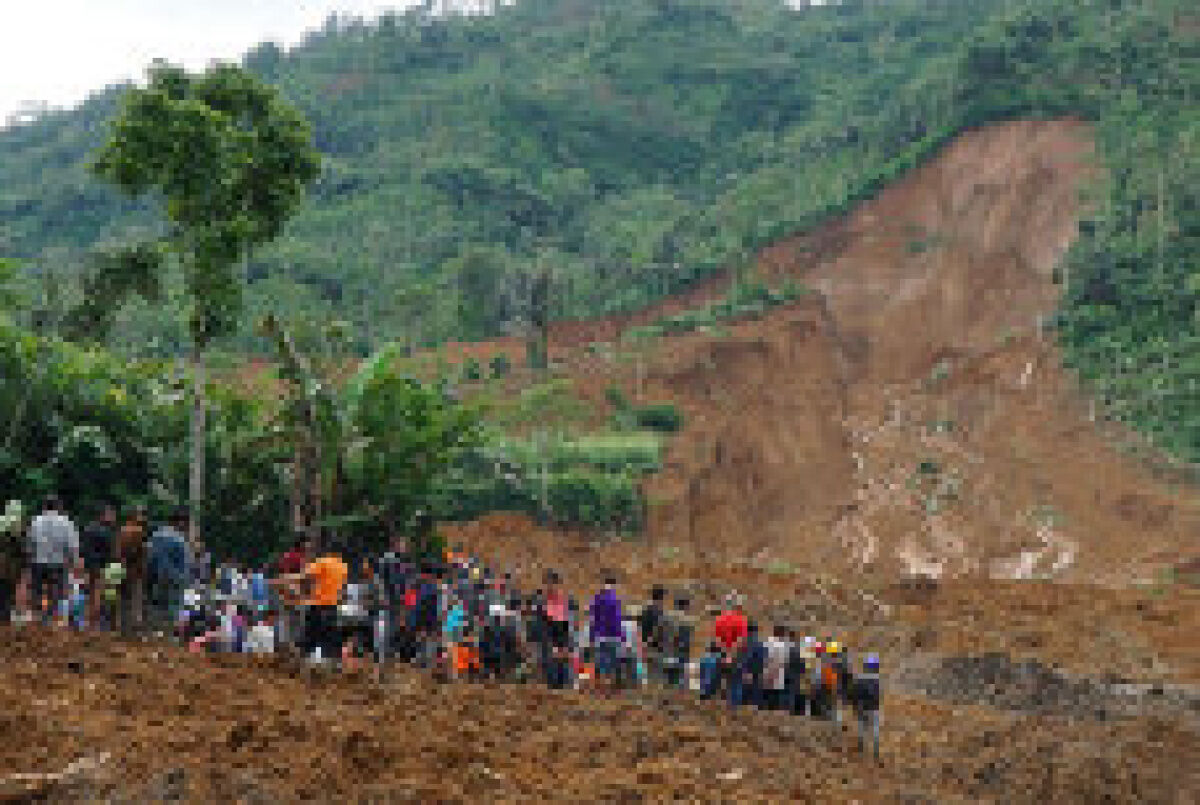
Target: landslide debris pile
x,y
136,723
910,415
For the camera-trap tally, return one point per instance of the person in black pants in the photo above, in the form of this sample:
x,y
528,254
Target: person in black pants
x,y
321,631
797,676
96,547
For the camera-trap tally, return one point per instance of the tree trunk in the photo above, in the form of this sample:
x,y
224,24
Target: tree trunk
x,y
539,314
196,484
315,531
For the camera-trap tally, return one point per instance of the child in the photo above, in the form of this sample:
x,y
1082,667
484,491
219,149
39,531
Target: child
x,y
76,600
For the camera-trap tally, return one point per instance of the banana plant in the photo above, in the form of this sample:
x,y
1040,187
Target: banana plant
x,y
372,453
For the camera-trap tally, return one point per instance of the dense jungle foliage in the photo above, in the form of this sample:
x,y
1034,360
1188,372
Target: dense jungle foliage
x,y
625,149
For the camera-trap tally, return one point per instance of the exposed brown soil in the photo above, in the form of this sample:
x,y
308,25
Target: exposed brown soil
x,y
911,416
159,724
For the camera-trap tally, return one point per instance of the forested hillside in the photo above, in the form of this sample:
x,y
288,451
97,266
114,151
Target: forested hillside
x,y
621,150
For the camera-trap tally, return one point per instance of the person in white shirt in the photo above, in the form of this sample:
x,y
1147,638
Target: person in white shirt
x,y
53,547
775,673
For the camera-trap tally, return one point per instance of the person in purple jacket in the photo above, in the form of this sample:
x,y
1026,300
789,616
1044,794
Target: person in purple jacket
x,y
606,633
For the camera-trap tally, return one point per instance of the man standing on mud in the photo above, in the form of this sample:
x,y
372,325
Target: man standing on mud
x,y
169,558
730,630
53,547
97,544
131,554
650,625
395,575
607,633
865,696
324,577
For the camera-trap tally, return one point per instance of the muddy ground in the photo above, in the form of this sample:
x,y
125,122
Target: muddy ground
x,y
136,723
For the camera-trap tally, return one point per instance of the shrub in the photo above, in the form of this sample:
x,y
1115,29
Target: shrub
x,y
471,370
595,499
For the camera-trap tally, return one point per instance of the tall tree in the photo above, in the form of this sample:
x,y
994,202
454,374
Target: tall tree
x,y
232,162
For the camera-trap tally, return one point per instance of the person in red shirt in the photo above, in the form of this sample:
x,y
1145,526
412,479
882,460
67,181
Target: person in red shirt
x,y
731,626
731,629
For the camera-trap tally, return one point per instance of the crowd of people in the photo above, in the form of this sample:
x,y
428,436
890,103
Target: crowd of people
x,y
450,614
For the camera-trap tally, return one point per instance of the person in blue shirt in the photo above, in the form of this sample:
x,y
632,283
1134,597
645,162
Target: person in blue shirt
x,y
169,564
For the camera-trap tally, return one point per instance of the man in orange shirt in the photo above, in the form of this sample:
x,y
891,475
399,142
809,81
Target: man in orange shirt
x,y
324,579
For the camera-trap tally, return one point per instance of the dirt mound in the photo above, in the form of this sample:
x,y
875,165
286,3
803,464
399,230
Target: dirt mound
x,y
911,416
135,723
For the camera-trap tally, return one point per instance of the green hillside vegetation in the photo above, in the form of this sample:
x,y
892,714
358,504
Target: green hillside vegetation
x,y
625,149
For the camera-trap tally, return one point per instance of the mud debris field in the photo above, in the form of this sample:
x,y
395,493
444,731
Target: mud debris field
x,y
137,723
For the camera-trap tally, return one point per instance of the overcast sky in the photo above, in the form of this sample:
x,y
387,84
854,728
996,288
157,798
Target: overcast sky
x,y
59,51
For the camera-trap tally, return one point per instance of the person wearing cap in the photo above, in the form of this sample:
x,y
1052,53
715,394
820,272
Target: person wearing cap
x,y
866,697
831,678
